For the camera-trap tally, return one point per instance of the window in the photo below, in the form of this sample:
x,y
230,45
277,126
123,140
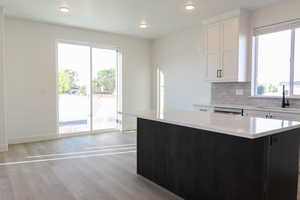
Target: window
x,y
277,62
297,63
160,90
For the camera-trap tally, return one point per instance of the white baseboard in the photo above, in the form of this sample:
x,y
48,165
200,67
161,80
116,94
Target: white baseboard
x,y
35,138
3,147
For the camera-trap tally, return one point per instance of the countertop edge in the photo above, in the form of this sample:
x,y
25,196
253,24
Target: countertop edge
x,y
263,134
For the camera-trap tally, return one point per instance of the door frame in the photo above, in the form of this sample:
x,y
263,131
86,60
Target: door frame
x,y
119,85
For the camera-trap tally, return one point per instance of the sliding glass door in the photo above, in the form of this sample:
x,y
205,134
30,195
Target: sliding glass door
x,y
73,88
104,68
87,88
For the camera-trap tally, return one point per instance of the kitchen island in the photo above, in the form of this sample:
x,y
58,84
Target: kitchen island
x,y
211,156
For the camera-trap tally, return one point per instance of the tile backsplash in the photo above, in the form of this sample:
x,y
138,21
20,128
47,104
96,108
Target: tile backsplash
x,y
239,94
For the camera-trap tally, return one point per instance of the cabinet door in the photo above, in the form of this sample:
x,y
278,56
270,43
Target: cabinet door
x,y
212,67
230,29
285,116
213,51
283,166
203,108
255,113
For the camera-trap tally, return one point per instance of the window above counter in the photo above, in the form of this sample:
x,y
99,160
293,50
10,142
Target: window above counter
x,y
276,60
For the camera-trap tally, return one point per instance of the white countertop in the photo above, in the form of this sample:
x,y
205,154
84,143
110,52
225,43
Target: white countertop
x,y
241,126
258,108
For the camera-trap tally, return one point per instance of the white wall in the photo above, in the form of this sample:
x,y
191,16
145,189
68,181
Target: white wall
x,y
181,58
30,73
3,142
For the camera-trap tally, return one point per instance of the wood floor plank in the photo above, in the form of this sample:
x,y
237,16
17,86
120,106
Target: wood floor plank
x,y
5,185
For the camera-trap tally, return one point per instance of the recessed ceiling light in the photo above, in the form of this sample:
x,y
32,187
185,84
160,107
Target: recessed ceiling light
x,y
64,9
189,6
143,25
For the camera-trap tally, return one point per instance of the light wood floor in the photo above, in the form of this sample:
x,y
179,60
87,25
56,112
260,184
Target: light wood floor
x,y
100,167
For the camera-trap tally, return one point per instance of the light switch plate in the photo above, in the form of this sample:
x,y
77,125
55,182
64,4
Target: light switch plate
x,y
239,92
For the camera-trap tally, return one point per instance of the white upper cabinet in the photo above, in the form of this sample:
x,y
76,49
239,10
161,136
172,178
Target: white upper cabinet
x,y
213,49
226,47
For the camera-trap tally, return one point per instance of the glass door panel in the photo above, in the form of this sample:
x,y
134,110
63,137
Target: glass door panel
x,y
272,73
297,63
74,88
104,84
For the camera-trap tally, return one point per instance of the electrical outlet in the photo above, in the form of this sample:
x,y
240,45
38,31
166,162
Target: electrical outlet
x,y
239,92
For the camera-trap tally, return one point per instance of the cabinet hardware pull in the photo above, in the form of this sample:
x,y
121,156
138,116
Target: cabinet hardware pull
x,y
219,75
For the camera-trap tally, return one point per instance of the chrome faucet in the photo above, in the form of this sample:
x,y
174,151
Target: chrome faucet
x,y
285,102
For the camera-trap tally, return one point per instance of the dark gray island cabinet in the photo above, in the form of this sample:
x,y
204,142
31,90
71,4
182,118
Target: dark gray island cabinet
x,y
233,158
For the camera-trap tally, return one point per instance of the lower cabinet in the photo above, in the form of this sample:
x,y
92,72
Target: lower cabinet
x,y
256,113
286,116
275,115
197,164
282,174
203,108
272,114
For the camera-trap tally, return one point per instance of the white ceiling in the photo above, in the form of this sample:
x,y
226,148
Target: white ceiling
x,y
124,16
